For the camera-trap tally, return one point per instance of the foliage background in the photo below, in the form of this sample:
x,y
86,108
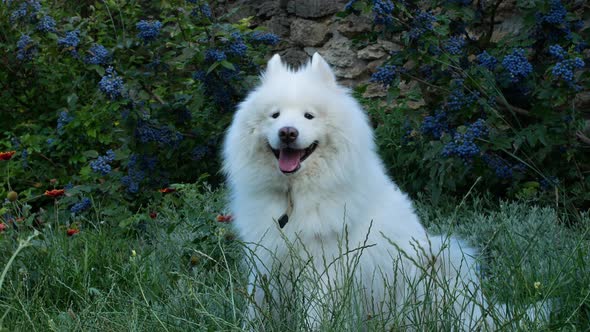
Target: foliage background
x,y
496,110
119,106
115,100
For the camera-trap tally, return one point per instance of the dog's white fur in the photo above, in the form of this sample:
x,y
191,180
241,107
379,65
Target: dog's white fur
x,y
342,187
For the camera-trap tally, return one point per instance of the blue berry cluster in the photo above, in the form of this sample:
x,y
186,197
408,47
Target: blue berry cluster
x,y
385,75
454,45
99,55
147,133
565,70
501,168
28,6
24,156
487,61
477,129
216,87
350,5
26,48
70,41
111,84
227,74
581,46
202,10
132,180
81,206
463,145
426,71
435,125
213,55
556,14
102,164
409,132
421,24
137,168
460,2
549,182
236,46
46,24
457,99
264,38
200,152
383,12
517,65
557,52
62,120
148,30
19,13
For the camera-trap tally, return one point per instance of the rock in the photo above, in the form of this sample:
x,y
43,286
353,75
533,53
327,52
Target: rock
x,y
582,102
294,57
278,25
246,9
309,33
339,52
353,25
389,46
356,69
377,51
371,52
315,8
509,26
416,104
375,90
268,9
373,65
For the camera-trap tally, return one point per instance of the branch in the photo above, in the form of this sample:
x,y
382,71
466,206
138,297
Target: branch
x,y
155,96
503,102
580,135
490,32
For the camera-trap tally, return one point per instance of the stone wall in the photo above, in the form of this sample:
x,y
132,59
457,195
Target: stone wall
x,y
308,26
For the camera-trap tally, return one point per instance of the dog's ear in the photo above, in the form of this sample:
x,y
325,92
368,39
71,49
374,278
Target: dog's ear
x,y
320,67
273,66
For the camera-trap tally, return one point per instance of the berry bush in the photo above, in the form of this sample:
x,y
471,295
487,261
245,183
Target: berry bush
x,y
113,101
502,110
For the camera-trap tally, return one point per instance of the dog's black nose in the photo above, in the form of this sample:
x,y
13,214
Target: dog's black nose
x,y
288,134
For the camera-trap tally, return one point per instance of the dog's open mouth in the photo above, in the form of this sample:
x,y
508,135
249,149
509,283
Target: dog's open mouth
x,y
290,159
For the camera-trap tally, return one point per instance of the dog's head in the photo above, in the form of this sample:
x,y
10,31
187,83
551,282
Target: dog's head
x,y
297,121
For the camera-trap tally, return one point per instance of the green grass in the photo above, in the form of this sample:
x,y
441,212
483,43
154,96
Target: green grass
x,y
187,272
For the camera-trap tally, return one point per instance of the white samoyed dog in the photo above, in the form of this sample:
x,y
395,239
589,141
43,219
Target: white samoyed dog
x,y
305,179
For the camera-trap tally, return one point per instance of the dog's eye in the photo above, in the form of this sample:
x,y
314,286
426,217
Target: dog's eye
x,y
308,116
275,115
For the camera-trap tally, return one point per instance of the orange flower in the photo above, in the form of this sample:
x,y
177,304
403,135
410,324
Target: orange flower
x,y
167,190
55,193
6,155
224,218
72,231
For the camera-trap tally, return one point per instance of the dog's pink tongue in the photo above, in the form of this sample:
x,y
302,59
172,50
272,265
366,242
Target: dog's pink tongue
x,y
289,159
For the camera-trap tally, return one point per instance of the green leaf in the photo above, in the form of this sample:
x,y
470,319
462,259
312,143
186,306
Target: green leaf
x,y
90,154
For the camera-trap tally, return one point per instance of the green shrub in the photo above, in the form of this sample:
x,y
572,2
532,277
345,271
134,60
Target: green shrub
x,y
481,106
116,99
